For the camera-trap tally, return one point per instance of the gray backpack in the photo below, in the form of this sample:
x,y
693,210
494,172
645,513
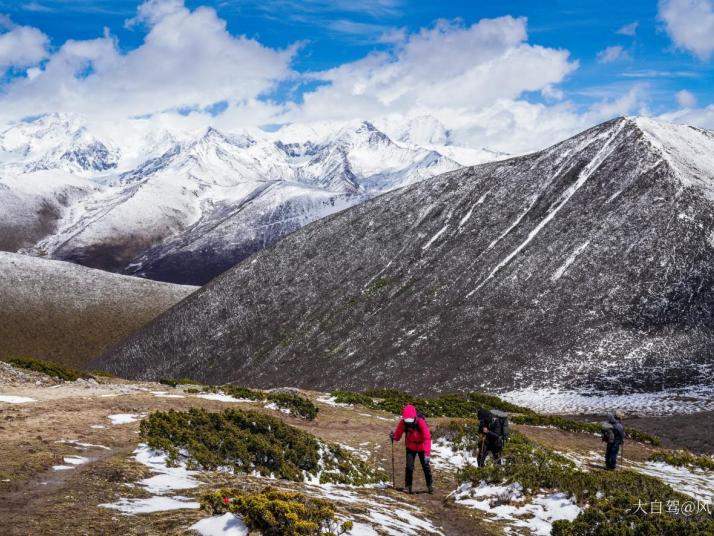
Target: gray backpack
x,y
500,424
607,432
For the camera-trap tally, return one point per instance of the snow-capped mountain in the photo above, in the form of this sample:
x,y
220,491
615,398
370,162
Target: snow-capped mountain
x,y
183,207
589,266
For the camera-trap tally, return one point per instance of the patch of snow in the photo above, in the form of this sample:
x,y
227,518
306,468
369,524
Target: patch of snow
x,y
123,418
330,401
152,504
378,514
165,480
435,237
273,406
666,402
75,460
583,176
98,426
220,397
225,525
507,503
62,467
444,456
693,481
165,394
12,399
570,260
81,445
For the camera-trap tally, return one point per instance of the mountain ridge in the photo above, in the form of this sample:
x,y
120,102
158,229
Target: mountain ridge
x,y
572,266
72,197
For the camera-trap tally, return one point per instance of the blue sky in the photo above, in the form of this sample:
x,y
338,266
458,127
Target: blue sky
x,y
622,57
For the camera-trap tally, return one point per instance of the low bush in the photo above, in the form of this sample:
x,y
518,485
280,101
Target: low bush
x,y
172,382
681,458
449,405
249,441
612,497
50,368
278,513
296,403
570,425
467,405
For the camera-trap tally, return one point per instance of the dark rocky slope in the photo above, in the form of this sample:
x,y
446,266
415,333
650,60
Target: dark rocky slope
x,y
587,265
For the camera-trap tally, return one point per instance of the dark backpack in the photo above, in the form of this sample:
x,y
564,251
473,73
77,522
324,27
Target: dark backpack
x,y
499,424
607,432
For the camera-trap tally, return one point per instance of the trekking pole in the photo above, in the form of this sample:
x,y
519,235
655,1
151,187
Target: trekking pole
x,y
394,480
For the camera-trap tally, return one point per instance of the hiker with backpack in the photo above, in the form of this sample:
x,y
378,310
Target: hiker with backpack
x,y
613,433
417,439
494,429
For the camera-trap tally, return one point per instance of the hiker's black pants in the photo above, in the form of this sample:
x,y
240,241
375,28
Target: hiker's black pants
x,y
495,451
409,473
611,454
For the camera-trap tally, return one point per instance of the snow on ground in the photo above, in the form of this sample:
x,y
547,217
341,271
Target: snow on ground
x,y
378,512
166,480
62,467
123,418
81,445
273,406
444,456
152,504
12,399
165,394
225,525
669,402
330,401
221,397
693,481
75,460
506,503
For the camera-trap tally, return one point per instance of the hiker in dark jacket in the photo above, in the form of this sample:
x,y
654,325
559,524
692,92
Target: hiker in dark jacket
x,y
490,440
613,448
417,438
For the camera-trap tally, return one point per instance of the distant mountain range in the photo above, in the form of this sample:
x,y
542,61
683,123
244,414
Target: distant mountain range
x,y
588,266
67,313
183,207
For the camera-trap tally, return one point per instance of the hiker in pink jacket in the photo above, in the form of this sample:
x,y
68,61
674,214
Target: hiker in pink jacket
x,y
418,442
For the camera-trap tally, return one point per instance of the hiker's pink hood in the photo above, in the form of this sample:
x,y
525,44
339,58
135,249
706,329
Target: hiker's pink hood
x,y
417,438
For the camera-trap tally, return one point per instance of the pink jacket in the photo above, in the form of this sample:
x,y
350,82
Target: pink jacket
x,y
417,438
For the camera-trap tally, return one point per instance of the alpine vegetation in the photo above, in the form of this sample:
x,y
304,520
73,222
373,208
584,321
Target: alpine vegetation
x,y
251,442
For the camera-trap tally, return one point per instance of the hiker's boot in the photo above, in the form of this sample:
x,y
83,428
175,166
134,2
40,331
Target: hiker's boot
x,y
407,489
430,489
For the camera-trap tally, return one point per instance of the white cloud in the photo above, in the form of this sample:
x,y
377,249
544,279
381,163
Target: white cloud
x,y
690,25
187,59
686,99
629,29
700,117
446,66
21,46
612,54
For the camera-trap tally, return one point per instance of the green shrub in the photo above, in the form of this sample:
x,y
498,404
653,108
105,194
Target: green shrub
x,y
296,403
611,496
55,370
250,441
681,458
172,382
278,513
449,405
570,425
102,374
